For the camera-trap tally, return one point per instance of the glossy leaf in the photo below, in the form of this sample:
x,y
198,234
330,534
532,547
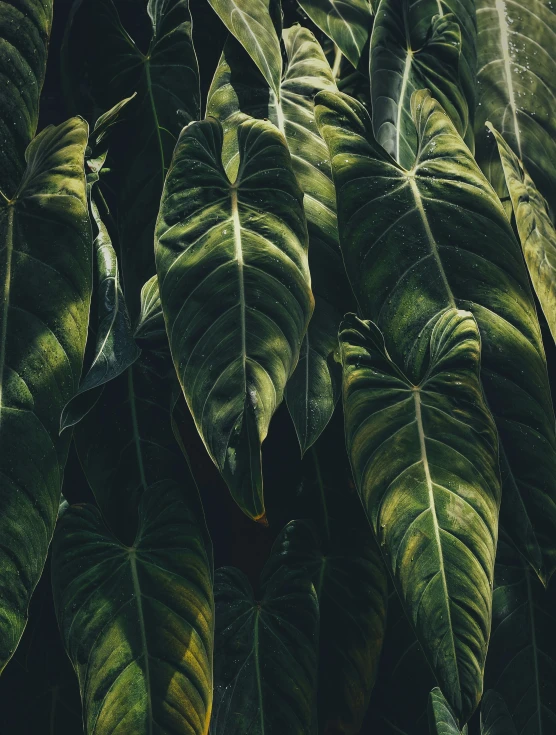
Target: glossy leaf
x,y
441,717
235,290
137,621
517,88
535,228
103,58
150,326
348,24
239,90
521,664
423,449
24,34
495,717
414,46
265,667
251,22
420,241
45,277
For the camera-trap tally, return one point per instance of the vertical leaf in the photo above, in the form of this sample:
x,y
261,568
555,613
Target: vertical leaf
x,y
441,717
495,718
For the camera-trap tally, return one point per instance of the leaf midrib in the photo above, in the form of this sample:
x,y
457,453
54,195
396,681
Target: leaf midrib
x,y
138,597
6,299
501,10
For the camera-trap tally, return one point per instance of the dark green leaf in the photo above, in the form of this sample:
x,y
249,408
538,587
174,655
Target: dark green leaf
x,y
420,241
45,277
495,718
441,717
150,328
235,289
137,621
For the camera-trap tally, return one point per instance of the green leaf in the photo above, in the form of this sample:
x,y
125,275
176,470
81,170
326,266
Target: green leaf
x,y
137,621
535,228
348,24
517,87
495,717
413,46
150,328
24,33
521,664
235,289
238,90
423,449
420,241
105,60
251,22
45,279
441,717
265,666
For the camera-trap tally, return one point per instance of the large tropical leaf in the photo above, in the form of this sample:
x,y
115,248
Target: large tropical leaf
x,y
535,228
417,242
423,449
24,33
103,59
239,90
45,279
235,290
137,621
517,88
337,549
521,664
441,717
414,46
348,24
265,666
495,717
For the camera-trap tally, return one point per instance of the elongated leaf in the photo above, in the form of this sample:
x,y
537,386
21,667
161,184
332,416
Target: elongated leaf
x,y
535,228
165,77
24,33
495,718
414,46
239,90
420,241
348,24
423,449
517,88
265,667
441,717
45,277
137,621
521,664
150,327
235,289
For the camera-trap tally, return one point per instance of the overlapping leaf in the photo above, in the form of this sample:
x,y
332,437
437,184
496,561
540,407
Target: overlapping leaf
x,y
265,667
517,88
441,717
535,228
423,448
24,34
414,46
137,621
417,242
45,279
235,290
238,90
495,718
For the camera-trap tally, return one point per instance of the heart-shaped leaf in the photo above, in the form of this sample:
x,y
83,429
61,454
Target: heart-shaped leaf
x,y
495,717
137,621
235,289
45,281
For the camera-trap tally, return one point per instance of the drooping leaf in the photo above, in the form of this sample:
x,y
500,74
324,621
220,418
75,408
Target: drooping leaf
x,y
521,664
24,34
235,290
414,46
165,77
535,228
423,449
265,666
417,242
239,90
348,24
517,88
252,23
495,717
441,717
45,280
137,621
